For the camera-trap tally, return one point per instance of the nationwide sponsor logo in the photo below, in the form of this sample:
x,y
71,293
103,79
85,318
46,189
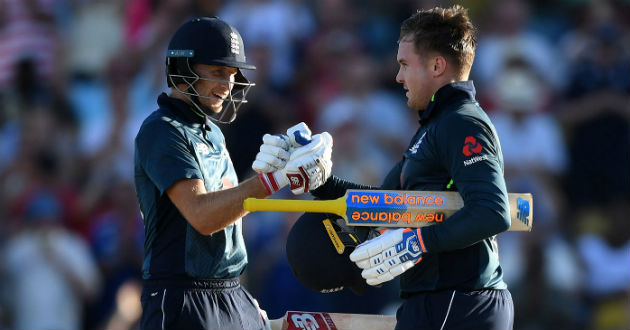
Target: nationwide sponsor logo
x,y
475,160
471,146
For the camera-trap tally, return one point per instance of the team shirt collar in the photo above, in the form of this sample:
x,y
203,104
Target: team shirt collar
x,y
183,110
454,91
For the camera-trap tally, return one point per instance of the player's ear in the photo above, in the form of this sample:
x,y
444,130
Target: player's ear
x,y
438,65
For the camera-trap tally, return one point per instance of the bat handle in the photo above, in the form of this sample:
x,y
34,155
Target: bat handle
x,y
289,205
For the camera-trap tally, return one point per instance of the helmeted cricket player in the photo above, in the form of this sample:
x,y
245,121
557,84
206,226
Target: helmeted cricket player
x,y
450,277
189,195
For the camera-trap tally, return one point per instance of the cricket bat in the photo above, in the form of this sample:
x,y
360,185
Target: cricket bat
x,y
294,320
394,208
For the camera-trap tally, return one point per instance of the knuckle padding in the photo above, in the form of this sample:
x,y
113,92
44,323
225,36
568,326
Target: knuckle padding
x,y
270,159
274,150
275,140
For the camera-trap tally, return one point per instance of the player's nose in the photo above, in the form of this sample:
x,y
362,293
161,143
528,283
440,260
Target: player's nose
x,y
399,78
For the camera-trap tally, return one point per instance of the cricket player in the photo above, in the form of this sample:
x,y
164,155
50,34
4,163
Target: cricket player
x,y
189,195
450,277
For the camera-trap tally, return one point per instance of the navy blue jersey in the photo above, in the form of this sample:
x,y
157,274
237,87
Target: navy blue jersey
x,y
455,141
173,144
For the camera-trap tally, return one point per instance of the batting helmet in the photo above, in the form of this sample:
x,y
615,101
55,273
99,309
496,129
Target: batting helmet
x,y
210,41
318,250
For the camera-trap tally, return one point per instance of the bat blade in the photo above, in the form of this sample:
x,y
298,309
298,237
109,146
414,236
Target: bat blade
x,y
394,208
297,320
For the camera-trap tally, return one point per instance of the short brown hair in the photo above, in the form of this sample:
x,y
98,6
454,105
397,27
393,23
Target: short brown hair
x,y
449,32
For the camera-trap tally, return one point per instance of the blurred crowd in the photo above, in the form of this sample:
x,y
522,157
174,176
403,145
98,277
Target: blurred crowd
x,y
77,77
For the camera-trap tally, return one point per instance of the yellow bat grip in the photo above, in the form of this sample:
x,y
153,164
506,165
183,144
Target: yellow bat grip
x,y
336,206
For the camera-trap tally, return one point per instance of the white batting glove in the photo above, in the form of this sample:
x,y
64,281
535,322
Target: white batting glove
x,y
299,135
389,255
310,166
274,154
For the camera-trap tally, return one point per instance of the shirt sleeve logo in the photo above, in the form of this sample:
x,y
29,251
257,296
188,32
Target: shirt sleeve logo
x,y
202,148
471,146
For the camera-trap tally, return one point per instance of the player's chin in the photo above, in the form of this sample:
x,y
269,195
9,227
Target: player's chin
x,y
216,107
412,104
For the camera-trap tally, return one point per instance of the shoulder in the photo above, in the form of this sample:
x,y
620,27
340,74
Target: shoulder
x,y
464,116
216,135
466,123
157,124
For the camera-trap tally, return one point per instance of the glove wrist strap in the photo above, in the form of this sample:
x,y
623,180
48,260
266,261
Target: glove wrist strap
x,y
272,182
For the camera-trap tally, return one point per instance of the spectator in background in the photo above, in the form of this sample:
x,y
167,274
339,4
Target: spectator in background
x,y
507,35
127,312
96,36
116,237
535,157
597,50
366,121
43,161
280,26
596,118
603,245
49,270
596,114
334,41
534,150
27,30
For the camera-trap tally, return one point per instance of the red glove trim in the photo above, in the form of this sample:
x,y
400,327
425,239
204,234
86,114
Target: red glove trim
x,y
263,179
306,179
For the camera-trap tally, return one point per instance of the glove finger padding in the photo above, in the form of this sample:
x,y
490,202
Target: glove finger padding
x,y
273,154
277,140
373,247
389,255
277,152
265,163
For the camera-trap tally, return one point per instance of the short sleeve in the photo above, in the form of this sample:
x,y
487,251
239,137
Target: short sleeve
x,y
165,155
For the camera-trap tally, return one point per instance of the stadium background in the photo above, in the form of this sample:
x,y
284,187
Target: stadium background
x,y
78,76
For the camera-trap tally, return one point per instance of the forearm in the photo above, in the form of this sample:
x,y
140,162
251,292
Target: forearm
x,y
465,228
209,212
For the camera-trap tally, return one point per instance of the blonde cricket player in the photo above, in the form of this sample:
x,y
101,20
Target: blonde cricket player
x,y
450,276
